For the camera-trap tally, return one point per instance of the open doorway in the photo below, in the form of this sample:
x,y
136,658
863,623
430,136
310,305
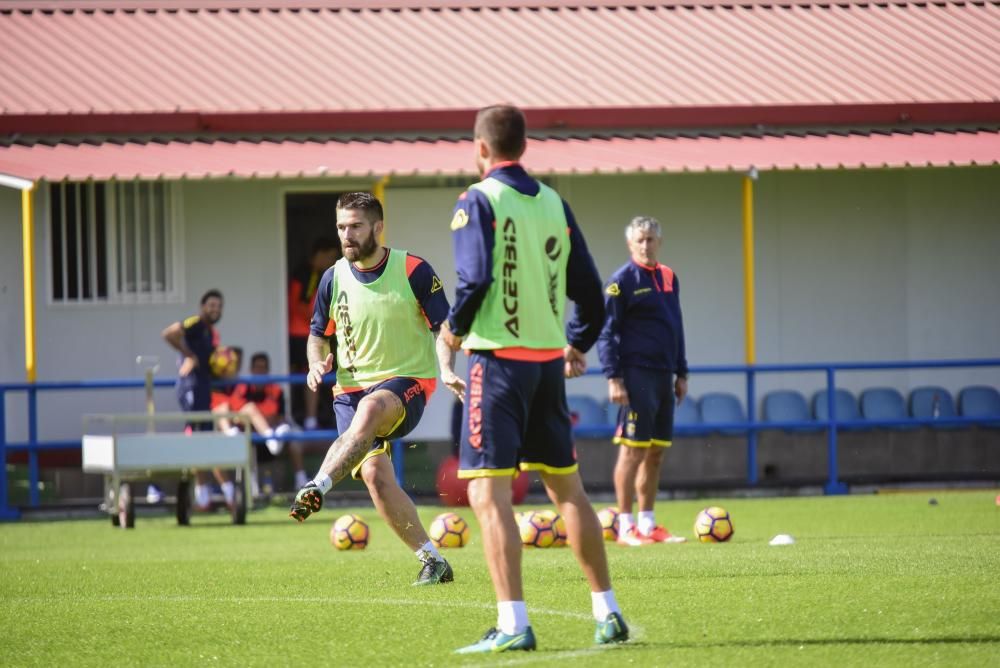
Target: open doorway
x,y
310,230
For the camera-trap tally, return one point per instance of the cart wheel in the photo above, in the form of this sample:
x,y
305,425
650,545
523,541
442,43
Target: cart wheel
x,y
110,506
239,512
126,507
184,503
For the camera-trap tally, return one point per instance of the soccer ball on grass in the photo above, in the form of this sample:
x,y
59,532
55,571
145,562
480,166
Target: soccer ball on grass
x,y
450,530
537,528
608,518
349,532
713,525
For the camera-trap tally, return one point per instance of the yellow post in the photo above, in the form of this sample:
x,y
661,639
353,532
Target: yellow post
x,y
379,191
28,237
748,272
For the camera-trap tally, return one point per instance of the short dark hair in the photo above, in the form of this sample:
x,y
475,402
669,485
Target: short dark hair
x,y
260,356
324,244
211,293
504,130
362,201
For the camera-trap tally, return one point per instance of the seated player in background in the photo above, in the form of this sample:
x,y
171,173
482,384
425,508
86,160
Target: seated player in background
x,y
264,405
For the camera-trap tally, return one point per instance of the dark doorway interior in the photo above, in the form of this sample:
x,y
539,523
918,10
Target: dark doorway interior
x,y
308,217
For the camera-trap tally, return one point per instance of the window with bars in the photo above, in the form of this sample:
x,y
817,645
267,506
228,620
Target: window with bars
x,y
113,242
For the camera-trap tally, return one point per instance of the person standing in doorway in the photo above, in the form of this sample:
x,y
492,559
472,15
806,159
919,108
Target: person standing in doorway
x,y
302,289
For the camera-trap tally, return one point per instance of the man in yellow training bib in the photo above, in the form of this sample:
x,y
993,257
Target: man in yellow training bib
x,y
383,307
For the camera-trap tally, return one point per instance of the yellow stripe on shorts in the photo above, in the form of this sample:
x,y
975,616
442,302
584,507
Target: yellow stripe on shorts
x,y
545,468
467,474
621,440
384,450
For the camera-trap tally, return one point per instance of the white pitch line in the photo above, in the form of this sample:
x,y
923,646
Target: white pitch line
x,y
637,632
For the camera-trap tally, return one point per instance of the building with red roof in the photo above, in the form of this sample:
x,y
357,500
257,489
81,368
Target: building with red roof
x,y
173,146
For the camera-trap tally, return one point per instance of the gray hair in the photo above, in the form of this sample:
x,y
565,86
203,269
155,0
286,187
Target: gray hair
x,y
644,223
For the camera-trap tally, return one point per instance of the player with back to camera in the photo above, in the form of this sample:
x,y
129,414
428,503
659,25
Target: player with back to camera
x,y
641,347
519,253
383,308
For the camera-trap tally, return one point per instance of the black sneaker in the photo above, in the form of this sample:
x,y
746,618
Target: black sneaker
x,y
434,571
309,500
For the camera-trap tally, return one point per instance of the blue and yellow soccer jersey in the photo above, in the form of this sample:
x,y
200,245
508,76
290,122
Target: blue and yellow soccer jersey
x,y
472,226
201,338
643,326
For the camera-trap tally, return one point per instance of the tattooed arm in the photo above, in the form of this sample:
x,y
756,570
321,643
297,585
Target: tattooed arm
x,y
320,360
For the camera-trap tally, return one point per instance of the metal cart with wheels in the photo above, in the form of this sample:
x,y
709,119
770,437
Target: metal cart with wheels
x,y
114,446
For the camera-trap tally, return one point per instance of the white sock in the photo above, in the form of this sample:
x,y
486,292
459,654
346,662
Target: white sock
x,y
428,549
604,603
300,479
233,430
228,491
311,423
202,495
626,522
646,522
512,617
323,481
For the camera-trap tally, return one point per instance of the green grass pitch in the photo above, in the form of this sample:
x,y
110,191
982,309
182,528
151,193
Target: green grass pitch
x,y
878,580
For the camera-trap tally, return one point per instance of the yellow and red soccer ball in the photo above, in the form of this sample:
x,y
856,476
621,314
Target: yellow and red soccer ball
x,y
542,528
349,532
713,525
608,517
223,362
450,530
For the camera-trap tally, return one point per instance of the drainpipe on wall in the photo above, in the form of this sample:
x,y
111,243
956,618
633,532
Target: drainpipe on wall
x,y
748,270
379,191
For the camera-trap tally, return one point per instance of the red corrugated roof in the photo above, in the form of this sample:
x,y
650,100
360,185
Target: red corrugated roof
x,y
244,159
369,61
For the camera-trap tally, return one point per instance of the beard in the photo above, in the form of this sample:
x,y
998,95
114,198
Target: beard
x,y
363,250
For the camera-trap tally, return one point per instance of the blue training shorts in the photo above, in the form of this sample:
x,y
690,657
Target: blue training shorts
x,y
194,394
515,416
414,401
649,417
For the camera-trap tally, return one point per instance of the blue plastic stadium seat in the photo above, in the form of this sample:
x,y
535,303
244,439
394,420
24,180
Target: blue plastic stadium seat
x,y
845,405
611,413
931,402
979,401
722,407
687,414
786,406
585,412
883,403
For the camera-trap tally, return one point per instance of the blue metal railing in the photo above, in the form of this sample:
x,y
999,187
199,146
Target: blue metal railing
x,y
752,427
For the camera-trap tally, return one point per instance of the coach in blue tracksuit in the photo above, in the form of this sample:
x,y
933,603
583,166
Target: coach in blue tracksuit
x,y
642,349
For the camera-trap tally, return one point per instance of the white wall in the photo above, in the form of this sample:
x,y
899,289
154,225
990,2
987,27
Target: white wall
x,y
11,287
865,265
